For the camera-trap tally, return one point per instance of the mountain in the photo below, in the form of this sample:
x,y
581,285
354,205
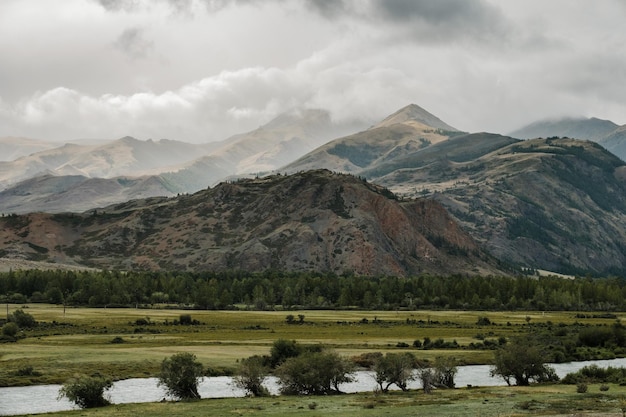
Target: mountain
x,y
54,194
554,204
13,147
311,221
409,129
605,132
124,157
262,150
577,128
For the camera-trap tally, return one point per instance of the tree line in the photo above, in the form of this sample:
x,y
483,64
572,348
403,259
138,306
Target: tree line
x,y
273,289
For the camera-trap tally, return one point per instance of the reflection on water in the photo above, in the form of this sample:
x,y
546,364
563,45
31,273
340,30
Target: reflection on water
x,y
44,398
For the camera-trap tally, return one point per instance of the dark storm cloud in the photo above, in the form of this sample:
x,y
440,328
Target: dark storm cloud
x,y
133,43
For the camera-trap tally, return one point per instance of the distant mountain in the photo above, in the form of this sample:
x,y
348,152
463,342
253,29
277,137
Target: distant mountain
x,y
313,221
124,157
54,194
262,150
605,132
576,128
12,148
409,129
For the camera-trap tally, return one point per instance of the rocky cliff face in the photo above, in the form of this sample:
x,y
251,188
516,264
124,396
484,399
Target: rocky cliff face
x,y
313,221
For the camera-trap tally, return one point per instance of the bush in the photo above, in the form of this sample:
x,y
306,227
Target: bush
x,y
22,319
604,387
10,329
86,391
180,374
581,388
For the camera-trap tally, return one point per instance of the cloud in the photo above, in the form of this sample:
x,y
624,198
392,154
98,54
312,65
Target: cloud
x,y
133,43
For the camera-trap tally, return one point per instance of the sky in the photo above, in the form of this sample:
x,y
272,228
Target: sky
x,y
203,70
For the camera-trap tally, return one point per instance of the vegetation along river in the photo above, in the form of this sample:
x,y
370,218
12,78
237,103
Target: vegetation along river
x,y
44,398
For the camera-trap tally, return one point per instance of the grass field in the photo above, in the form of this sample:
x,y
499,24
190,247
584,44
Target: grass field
x,y
542,400
79,340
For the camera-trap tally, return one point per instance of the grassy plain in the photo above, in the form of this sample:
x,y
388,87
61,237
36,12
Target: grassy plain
x,y
540,400
79,340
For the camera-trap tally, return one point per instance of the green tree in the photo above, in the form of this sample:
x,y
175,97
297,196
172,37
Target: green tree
x,y
283,349
180,375
251,375
394,368
522,361
314,373
86,391
445,370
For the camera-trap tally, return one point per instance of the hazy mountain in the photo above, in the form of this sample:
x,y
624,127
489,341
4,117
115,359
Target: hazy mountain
x,y
615,142
313,221
12,148
403,132
577,128
262,150
54,194
124,157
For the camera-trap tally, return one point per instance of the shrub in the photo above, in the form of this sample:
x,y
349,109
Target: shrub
x,y
86,391
10,329
22,319
117,340
581,388
180,374
604,387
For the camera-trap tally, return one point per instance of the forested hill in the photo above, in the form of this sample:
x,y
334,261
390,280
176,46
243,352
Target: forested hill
x,y
309,221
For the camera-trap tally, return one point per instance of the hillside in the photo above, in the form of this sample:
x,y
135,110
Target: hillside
x,y
554,204
604,132
407,130
313,221
55,194
576,128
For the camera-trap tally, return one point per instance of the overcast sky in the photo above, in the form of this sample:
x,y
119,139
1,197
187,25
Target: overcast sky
x,y
202,70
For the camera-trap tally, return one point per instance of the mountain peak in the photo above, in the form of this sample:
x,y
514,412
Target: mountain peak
x,y
415,113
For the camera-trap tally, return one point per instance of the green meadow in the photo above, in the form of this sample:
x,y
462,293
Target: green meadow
x,y
125,343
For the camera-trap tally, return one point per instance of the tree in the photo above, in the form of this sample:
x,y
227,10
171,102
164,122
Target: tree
x,y
251,375
314,373
281,350
10,329
180,375
86,391
445,370
523,362
428,378
394,368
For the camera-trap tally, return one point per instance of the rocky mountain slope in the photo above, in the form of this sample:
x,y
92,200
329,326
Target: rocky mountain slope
x,y
555,204
313,221
12,148
605,132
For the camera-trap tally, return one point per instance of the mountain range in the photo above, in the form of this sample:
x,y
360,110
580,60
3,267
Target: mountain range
x,y
554,203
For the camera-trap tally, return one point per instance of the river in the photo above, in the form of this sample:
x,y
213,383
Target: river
x,y
44,398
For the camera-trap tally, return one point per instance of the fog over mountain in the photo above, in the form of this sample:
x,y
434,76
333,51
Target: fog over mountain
x,y
199,71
